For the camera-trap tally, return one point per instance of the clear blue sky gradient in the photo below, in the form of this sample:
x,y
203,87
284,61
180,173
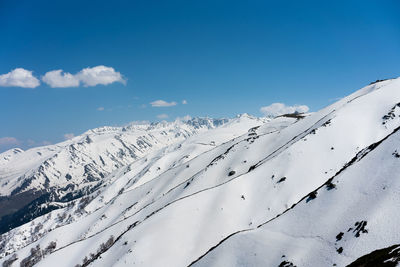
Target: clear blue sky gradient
x,y
223,57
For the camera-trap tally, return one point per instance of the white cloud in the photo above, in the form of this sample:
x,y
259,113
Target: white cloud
x,y
100,108
58,78
277,109
162,103
88,77
6,141
68,136
162,116
144,122
184,118
19,77
184,102
34,143
99,75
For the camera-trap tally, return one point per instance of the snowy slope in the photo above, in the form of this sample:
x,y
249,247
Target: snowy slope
x,y
65,171
90,156
316,191
355,216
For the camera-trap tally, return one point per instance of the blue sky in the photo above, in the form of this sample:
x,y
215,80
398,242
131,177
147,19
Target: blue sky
x,y
222,57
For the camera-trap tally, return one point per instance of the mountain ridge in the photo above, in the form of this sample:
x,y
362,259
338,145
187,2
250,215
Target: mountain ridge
x,y
76,167
277,192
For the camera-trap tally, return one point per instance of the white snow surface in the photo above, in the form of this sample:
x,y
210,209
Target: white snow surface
x,y
86,159
236,195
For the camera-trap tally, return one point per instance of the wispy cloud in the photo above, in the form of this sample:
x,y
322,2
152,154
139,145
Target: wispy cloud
x,y
277,109
7,141
32,143
100,108
68,136
88,77
144,122
184,118
162,103
184,102
19,77
162,116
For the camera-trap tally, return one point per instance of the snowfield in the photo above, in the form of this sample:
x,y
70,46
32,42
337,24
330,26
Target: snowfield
x,y
319,189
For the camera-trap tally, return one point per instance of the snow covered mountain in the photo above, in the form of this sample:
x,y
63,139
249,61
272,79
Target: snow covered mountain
x,y
315,190
65,171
